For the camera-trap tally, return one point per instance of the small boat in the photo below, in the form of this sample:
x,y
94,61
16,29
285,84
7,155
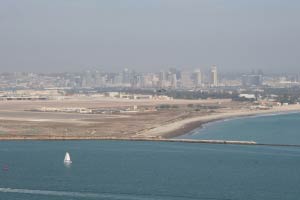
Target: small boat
x,y
67,159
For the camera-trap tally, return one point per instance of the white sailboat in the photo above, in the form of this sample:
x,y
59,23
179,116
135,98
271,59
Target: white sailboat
x,y
67,159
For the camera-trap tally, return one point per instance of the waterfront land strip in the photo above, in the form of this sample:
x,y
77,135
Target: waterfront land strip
x,y
118,119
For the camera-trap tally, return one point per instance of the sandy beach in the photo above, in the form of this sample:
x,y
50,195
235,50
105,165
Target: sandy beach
x,y
17,122
181,127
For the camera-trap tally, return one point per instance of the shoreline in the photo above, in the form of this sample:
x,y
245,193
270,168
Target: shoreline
x,y
205,124
183,127
167,131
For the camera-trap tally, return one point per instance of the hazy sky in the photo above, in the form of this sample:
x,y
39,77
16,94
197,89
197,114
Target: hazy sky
x,y
147,35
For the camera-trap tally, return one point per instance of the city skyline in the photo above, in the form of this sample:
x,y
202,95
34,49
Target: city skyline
x,y
149,99
168,79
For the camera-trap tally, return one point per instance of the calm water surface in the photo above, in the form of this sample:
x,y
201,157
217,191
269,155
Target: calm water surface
x,y
279,129
155,170
147,170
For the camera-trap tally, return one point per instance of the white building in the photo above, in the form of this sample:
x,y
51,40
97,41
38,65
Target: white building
x,y
214,76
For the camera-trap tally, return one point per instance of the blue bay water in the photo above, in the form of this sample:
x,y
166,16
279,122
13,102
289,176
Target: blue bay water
x,y
147,171
120,170
274,129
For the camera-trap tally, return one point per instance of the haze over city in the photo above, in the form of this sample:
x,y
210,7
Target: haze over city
x,y
149,99
62,35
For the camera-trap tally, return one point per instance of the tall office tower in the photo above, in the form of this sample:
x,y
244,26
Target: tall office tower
x,y
173,81
147,80
186,81
214,76
198,77
155,80
162,79
162,76
88,79
136,81
98,79
117,79
126,76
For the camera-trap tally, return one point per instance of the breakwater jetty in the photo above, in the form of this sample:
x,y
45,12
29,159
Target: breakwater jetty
x,y
55,138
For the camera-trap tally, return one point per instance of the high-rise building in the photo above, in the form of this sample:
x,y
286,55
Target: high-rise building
x,y
98,79
126,76
147,80
88,79
117,79
162,79
174,81
198,77
186,79
214,76
162,76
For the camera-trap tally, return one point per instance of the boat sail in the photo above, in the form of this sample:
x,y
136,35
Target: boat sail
x,y
67,159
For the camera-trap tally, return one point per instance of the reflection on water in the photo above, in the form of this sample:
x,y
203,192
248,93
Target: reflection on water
x,y
67,165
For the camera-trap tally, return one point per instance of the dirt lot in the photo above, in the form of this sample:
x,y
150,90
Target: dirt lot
x,y
15,119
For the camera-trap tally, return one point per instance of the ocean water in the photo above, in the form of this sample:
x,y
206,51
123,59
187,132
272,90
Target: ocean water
x,y
124,170
147,171
274,129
